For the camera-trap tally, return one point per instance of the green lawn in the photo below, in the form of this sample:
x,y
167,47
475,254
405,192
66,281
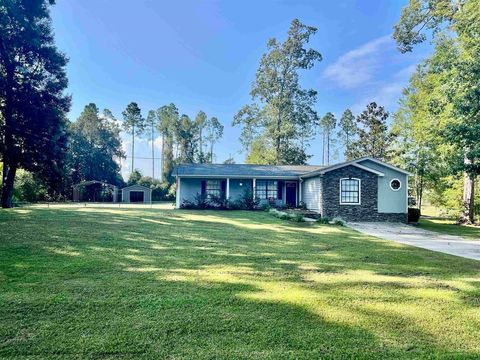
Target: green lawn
x,y
149,283
446,226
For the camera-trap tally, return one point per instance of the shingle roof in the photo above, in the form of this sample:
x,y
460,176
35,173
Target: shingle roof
x,y
242,170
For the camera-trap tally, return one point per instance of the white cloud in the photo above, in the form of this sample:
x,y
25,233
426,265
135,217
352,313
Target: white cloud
x,y
387,94
358,66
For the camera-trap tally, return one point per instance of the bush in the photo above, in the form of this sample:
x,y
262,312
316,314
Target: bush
x,y
198,202
413,215
297,217
338,221
286,216
266,207
246,201
302,205
29,188
324,220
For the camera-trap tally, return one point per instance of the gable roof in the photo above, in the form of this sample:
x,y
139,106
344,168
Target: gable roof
x,y
390,166
274,171
356,163
243,170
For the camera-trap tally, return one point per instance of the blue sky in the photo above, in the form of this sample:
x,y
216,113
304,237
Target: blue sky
x,y
204,54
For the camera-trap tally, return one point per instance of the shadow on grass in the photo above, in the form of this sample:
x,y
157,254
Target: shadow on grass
x,y
143,283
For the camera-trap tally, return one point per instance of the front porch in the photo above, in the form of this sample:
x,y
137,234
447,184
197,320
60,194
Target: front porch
x,y
275,191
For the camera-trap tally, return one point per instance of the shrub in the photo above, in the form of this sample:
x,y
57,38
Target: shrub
x,y
198,202
413,215
266,207
324,220
338,221
302,205
246,201
297,217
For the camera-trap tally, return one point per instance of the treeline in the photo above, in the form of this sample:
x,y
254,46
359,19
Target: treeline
x,y
438,123
94,151
183,140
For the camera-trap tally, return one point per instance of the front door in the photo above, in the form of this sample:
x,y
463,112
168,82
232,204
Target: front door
x,y
291,194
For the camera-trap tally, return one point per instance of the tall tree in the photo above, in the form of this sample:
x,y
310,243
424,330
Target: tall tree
x,y
374,138
461,21
94,145
151,123
282,108
133,124
215,132
348,129
200,123
187,137
327,125
32,100
167,121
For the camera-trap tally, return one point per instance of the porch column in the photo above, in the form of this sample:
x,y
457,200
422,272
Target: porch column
x,y
254,187
177,194
300,190
228,189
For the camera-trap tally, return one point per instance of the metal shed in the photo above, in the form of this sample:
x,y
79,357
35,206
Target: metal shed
x,y
136,194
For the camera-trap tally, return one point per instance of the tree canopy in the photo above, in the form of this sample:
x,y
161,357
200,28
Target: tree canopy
x,y
33,104
281,108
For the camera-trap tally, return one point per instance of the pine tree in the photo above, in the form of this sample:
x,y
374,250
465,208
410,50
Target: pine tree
x,y
133,124
374,138
33,104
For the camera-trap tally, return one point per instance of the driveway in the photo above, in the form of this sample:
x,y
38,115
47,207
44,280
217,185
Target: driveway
x,y
410,235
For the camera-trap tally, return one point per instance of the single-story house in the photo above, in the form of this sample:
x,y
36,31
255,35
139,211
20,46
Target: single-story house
x,y
136,194
364,189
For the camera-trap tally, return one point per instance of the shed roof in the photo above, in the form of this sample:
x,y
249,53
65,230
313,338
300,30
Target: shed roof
x,y
243,170
137,186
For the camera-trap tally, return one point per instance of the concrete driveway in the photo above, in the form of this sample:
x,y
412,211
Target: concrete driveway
x,y
411,235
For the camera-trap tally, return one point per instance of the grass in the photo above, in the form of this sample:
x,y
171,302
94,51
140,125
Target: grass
x,y
133,283
448,226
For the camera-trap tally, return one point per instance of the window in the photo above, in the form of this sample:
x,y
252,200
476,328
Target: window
x,y
213,188
395,184
266,189
350,191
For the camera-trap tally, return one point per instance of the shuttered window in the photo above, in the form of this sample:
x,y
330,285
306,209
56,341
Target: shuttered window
x,y
213,188
267,189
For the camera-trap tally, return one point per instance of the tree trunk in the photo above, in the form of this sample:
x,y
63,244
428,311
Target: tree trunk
x,y
278,142
163,158
467,214
7,185
420,194
9,152
328,148
133,149
202,160
211,152
323,148
153,154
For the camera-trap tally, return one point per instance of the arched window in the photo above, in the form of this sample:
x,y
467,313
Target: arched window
x,y
395,185
350,191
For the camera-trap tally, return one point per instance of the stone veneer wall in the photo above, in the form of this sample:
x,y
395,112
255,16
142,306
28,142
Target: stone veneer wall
x,y
368,208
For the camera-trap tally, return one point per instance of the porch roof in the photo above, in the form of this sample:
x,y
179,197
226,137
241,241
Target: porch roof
x,y
243,170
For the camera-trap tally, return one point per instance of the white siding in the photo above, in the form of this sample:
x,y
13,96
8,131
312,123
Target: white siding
x,y
311,193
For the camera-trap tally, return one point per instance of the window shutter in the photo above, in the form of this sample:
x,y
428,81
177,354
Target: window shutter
x,y
279,190
224,188
204,187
